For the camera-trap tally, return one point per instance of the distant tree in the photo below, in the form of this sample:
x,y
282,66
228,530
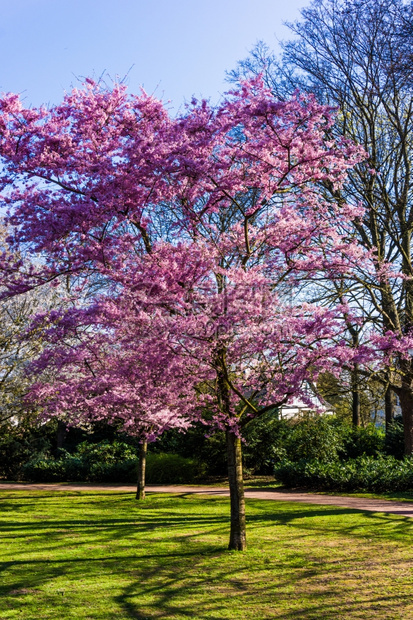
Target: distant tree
x,y
17,350
356,55
337,391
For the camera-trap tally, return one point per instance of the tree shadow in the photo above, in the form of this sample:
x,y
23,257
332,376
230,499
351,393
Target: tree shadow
x,y
390,526
187,576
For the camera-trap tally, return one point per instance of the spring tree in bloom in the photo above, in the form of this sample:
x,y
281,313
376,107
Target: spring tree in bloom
x,y
206,223
93,370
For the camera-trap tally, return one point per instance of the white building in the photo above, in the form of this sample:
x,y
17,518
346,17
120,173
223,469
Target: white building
x,y
311,403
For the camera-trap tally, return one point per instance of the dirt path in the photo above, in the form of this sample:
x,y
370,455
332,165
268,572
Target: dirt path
x,y
404,509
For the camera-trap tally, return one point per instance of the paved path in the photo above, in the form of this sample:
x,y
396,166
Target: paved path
x,y
404,509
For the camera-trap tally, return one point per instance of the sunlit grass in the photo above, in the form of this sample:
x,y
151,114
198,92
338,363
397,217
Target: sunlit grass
x,y
102,555
399,496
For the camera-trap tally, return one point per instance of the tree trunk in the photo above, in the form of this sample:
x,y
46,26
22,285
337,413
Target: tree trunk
x,y
60,435
406,404
389,406
237,539
140,492
355,392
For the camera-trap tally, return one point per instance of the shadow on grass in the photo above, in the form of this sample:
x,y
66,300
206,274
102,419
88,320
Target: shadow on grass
x,y
171,598
164,566
387,526
180,585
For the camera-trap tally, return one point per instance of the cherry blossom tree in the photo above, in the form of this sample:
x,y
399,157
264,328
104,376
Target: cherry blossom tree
x,y
99,367
199,231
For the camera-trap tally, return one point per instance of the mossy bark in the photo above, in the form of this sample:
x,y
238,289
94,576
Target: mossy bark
x,y
390,405
237,539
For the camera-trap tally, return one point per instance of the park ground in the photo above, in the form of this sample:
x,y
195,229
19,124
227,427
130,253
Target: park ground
x,y
100,554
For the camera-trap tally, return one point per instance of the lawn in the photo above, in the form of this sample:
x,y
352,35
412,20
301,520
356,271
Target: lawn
x,y
102,555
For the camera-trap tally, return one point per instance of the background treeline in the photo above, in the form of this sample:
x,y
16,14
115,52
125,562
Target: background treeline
x,y
322,452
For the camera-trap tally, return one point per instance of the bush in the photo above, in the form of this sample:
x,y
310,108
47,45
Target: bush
x,y
44,470
314,438
359,441
209,451
394,442
268,440
95,462
111,462
107,452
264,443
124,471
19,443
366,473
163,468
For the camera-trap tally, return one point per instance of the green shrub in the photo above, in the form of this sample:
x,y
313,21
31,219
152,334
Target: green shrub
x,y
195,443
366,473
19,444
164,468
105,452
264,443
394,441
124,471
359,441
44,470
112,462
95,462
314,438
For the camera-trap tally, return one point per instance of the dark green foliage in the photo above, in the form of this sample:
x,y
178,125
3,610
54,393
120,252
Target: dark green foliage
x,y
329,454
162,468
209,451
43,469
91,462
268,441
328,438
368,441
74,469
19,444
394,442
30,452
374,474
105,452
325,438
28,443
264,443
312,438
111,462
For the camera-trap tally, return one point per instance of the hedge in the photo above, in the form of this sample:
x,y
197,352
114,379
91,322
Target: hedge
x,y
111,462
373,474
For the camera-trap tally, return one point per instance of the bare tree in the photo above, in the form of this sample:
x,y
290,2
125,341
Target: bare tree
x,y
356,55
18,344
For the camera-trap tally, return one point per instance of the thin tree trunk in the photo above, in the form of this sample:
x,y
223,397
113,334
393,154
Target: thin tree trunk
x,y
406,404
355,392
389,406
140,492
237,539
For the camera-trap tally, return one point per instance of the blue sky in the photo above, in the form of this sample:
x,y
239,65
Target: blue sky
x,y
174,48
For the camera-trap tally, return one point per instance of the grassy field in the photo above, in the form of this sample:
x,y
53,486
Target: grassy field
x,y
102,555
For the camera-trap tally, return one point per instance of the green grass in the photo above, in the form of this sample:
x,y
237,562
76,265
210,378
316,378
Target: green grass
x,y
263,483
102,555
399,496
